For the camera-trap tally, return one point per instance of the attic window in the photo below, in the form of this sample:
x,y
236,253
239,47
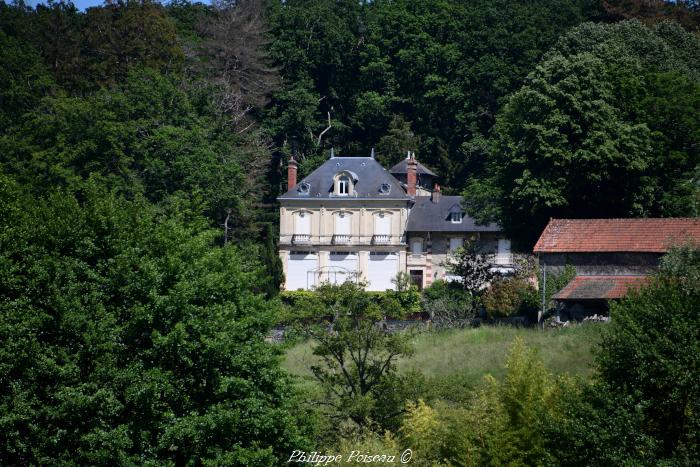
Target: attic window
x,y
344,185
456,217
384,188
304,188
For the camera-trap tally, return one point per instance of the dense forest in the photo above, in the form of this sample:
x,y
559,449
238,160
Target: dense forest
x,y
142,146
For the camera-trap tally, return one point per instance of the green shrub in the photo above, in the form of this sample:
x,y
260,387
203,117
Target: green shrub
x,y
299,305
447,303
391,306
303,305
509,297
406,294
437,289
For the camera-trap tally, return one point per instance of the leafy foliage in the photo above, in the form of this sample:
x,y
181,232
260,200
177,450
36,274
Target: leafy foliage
x,y
510,296
358,358
600,118
471,266
447,304
650,354
397,75
502,425
126,335
555,282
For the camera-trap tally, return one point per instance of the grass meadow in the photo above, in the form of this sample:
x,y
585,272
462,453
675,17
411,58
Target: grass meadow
x,y
462,357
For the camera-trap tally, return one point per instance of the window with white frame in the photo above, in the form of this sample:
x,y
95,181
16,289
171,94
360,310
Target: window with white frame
x,y
456,217
456,243
344,185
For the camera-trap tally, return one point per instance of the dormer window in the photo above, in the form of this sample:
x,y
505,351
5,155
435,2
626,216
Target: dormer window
x,y
344,185
384,188
456,217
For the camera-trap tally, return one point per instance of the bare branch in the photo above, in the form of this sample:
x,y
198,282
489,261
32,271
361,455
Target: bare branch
x,y
318,143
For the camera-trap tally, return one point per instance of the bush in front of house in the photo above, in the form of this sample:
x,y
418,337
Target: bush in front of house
x,y
296,305
510,296
305,305
448,304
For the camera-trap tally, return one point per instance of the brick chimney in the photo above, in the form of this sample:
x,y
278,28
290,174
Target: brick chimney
x,y
411,175
436,194
291,173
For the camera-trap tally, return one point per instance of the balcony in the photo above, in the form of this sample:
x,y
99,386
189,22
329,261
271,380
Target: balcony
x,y
503,259
301,239
341,239
381,239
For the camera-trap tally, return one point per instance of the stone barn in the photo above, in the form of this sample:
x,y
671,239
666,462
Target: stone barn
x,y
611,256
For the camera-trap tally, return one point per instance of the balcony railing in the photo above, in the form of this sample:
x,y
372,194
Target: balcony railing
x,y
341,239
381,239
311,239
300,239
503,259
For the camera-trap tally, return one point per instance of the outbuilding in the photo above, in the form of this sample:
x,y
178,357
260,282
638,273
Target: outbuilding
x,y
610,256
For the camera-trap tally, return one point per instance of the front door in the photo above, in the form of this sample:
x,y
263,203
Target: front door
x,y
417,278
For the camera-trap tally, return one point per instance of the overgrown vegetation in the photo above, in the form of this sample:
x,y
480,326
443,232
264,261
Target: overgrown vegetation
x,y
142,148
470,404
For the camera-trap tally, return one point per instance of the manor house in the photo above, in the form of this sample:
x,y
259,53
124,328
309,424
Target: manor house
x,y
352,218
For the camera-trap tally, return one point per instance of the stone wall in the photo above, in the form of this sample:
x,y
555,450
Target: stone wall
x,y
601,263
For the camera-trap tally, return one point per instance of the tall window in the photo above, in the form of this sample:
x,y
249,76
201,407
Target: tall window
x,y
382,224
302,223
342,223
343,185
417,246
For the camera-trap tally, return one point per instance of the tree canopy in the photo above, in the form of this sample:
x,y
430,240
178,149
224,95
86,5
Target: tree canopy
x,y
128,337
610,113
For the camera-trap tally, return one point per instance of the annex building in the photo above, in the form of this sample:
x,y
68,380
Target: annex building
x,y
352,218
610,256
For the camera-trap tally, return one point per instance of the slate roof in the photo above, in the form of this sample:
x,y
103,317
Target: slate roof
x,y
402,168
368,177
426,216
599,287
652,235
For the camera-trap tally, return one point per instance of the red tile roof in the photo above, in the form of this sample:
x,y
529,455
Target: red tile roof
x,y
616,235
599,287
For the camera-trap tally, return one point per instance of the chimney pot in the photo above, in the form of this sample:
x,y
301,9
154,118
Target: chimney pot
x,y
291,173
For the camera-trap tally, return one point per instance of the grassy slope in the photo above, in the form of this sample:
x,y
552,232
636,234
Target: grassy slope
x,y
465,356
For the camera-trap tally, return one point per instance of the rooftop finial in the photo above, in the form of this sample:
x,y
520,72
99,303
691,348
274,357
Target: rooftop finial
x,y
332,153
408,155
372,154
